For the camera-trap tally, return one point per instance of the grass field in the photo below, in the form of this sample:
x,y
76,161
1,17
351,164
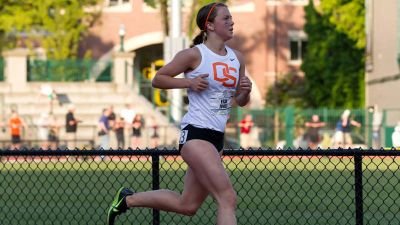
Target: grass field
x,y
271,190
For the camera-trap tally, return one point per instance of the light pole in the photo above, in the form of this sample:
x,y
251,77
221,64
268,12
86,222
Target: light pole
x,y
176,43
121,37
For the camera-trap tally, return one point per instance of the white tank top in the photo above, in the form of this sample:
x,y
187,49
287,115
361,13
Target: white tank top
x,y
210,108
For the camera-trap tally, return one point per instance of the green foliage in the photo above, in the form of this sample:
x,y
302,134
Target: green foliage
x,y
57,25
333,65
288,90
151,3
348,16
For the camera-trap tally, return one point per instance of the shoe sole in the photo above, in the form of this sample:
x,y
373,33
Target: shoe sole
x,y
114,203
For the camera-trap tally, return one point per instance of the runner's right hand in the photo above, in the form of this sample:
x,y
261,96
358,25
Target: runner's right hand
x,y
199,83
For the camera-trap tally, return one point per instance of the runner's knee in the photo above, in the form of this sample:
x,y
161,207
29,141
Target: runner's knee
x,y
190,209
227,198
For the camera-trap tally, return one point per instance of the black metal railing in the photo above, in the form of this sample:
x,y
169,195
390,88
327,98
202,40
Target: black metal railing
x,y
338,186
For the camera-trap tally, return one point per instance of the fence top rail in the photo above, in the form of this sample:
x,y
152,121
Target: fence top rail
x,y
227,152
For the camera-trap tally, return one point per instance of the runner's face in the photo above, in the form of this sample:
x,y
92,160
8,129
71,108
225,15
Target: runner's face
x,y
223,23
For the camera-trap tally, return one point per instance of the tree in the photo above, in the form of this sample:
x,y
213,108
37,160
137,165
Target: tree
x,y
288,90
56,25
348,16
333,65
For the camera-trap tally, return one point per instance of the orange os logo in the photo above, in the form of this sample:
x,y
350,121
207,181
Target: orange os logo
x,y
225,78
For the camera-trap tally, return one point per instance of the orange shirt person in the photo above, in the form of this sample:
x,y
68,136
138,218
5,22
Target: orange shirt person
x,y
15,125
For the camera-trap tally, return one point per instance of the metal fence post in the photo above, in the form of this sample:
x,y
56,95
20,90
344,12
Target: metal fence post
x,y
289,126
155,162
358,188
369,122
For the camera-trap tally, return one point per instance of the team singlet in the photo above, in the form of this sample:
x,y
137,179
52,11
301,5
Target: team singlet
x,y
210,108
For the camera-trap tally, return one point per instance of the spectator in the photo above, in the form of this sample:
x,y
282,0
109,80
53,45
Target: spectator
x,y
137,125
54,132
111,121
119,128
300,140
396,136
128,113
376,127
245,126
104,127
43,130
111,117
71,127
313,132
16,124
154,133
2,124
51,95
342,136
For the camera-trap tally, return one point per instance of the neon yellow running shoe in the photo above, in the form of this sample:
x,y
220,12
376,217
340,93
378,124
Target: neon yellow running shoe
x,y
118,205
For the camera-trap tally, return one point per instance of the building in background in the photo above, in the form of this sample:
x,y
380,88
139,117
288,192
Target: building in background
x,y
383,54
268,32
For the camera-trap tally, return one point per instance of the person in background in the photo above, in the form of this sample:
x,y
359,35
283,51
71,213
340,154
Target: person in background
x,y
71,127
111,117
376,127
111,121
245,125
103,130
137,126
396,136
2,124
119,129
43,130
128,114
154,134
342,137
54,132
16,124
313,131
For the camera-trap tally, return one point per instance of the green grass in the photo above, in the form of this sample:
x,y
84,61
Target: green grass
x,y
297,190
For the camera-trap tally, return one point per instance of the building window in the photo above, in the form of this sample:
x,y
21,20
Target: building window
x,y
117,6
297,49
112,2
299,2
297,45
117,2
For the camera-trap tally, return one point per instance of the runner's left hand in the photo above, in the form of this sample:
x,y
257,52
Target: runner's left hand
x,y
245,85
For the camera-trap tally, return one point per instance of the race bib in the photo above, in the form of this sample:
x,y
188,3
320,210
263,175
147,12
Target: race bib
x,y
183,136
221,102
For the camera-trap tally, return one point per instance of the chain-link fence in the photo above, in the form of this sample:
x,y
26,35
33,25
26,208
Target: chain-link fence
x,y
273,186
287,126
68,70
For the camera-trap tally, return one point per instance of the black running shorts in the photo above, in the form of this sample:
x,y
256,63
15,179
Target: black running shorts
x,y
15,139
191,132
